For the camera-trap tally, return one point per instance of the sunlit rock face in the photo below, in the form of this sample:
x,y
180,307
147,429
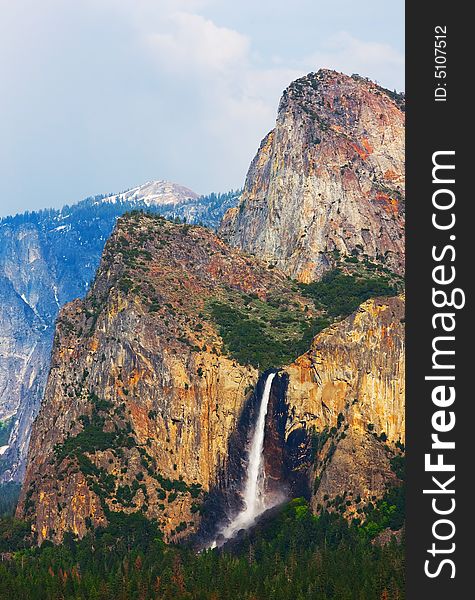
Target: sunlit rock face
x,y
145,411
327,181
145,408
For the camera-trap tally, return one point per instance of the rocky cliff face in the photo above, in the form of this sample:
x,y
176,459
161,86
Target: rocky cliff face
x,y
142,399
25,341
328,181
345,406
47,259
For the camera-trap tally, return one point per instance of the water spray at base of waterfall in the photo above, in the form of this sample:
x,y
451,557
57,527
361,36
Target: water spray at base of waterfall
x,y
256,501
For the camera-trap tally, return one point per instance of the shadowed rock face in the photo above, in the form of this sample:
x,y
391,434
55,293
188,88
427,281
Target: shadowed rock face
x,y
25,345
287,457
328,181
142,401
276,476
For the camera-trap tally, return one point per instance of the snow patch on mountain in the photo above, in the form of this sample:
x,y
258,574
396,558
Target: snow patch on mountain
x,y
154,193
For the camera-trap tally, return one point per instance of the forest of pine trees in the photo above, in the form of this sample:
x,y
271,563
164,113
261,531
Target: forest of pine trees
x,y
291,556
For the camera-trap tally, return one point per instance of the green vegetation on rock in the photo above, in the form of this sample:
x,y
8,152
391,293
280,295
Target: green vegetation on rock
x,y
93,438
274,332
339,294
5,430
265,334
388,512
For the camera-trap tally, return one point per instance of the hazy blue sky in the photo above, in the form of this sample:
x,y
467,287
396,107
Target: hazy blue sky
x,y
97,96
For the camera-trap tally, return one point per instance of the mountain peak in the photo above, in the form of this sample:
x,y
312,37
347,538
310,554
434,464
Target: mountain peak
x,y
154,193
326,85
327,183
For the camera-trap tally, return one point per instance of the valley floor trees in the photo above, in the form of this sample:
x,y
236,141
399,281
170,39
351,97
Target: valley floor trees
x,y
294,555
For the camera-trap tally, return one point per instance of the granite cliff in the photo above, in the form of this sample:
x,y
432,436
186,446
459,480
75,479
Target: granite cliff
x,y
335,428
327,181
346,406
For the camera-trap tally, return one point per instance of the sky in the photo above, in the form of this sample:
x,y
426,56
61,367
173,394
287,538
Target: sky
x,y
98,96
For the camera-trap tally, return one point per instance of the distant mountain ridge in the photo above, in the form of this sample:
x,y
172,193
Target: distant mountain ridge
x,y
155,193
48,258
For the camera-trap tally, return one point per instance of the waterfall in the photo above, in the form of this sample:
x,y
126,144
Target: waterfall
x,y
254,491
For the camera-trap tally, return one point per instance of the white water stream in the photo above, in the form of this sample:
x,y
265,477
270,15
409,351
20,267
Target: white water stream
x,y
254,491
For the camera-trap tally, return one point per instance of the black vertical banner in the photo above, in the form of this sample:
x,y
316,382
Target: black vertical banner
x,y
440,238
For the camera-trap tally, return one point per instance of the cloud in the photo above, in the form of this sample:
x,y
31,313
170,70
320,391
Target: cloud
x,y
234,90
218,65
100,95
376,60
193,43
234,94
